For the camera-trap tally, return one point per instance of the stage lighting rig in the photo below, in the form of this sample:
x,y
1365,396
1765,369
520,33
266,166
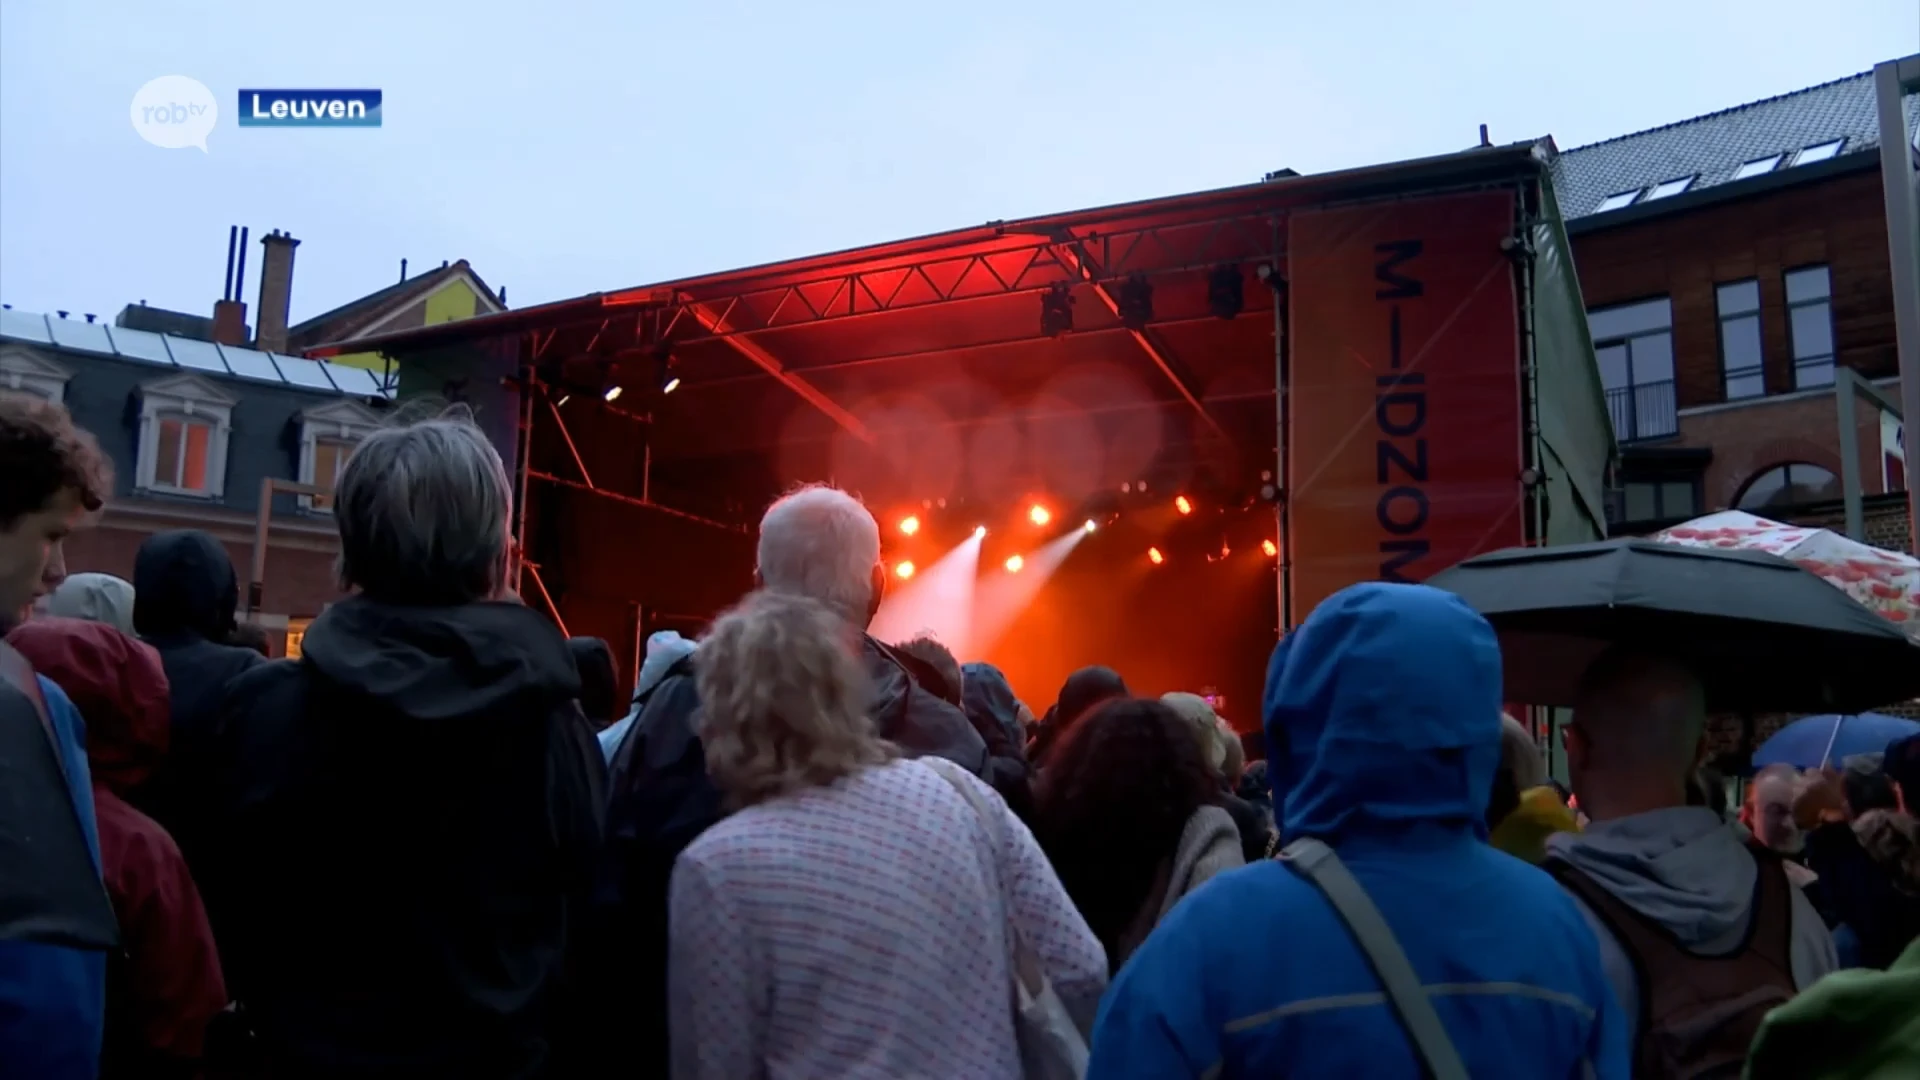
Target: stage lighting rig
x,y
1014,563
903,570
909,525
1181,504
1154,556
1226,292
1135,301
1056,310
1039,514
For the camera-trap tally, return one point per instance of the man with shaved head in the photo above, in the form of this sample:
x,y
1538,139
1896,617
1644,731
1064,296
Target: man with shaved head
x,y
1685,911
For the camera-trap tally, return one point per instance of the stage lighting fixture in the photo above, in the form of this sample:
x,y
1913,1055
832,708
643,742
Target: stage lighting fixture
x,y
663,375
1056,310
903,570
910,525
672,384
1225,292
564,398
1039,515
1090,525
979,531
1135,301
612,394
1181,504
1270,548
1154,556
1014,563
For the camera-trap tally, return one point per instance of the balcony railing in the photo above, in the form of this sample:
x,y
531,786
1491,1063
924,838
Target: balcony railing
x,y
1646,411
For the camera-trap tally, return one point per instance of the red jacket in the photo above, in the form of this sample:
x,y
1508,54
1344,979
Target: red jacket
x,y
166,984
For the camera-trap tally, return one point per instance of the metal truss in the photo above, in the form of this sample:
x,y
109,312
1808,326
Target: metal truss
x,y
1048,260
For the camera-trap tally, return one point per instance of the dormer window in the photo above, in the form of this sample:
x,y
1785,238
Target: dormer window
x,y
328,436
185,422
25,371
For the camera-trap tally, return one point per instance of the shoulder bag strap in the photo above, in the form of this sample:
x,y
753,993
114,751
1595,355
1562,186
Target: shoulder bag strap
x,y
1026,966
1317,862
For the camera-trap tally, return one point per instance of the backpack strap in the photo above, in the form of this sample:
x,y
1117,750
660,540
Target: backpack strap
x,y
1631,933
1770,929
1315,861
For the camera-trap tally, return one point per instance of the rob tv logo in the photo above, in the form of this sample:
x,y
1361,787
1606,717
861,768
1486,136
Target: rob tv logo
x,y
174,112
309,108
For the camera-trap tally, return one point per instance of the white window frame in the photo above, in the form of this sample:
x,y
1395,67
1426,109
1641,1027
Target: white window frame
x,y
189,398
338,421
24,370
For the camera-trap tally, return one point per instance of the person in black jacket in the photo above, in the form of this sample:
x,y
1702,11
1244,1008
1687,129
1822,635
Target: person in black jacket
x,y
185,594
410,810
818,542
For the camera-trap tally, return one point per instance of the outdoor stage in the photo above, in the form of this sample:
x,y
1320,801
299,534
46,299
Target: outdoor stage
x,y
1423,318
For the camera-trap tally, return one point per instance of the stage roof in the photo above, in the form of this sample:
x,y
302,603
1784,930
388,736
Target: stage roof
x,y
930,349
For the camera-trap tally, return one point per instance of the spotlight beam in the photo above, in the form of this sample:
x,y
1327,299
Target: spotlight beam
x,y
1004,595
937,599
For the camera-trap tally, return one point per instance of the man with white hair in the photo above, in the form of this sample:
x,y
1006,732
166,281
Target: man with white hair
x,y
408,814
1700,934
818,542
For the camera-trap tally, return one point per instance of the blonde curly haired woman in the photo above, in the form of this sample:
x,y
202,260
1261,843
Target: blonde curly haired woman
x,y
852,918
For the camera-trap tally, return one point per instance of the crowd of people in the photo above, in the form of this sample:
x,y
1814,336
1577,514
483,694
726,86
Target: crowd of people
x,y
444,843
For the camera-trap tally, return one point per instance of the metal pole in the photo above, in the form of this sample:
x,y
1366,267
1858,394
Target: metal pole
x,y
523,455
257,576
1845,388
262,518
1892,79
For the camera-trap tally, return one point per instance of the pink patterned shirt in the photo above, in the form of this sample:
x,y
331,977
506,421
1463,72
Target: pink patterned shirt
x,y
860,930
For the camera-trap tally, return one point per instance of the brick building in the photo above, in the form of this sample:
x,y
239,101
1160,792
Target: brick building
x,y
1735,269
1731,265
197,412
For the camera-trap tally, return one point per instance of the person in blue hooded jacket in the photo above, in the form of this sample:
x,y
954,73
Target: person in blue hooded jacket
x,y
1382,717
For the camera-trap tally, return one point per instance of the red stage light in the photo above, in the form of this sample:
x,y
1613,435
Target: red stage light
x,y
1014,563
910,525
1181,504
903,571
1039,515
1270,548
1154,556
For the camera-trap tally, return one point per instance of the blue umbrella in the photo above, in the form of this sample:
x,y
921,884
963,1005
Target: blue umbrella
x,y
1813,741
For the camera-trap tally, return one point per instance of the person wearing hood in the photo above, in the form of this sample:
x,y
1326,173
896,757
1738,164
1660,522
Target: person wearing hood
x,y
599,683
1382,726
1687,915
410,810
665,649
100,598
817,542
185,595
56,923
987,699
166,986
1084,689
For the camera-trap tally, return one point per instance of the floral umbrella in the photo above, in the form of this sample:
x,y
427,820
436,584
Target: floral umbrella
x,y
1887,582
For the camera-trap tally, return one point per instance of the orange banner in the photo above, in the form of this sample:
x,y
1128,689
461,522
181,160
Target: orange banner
x,y
1404,444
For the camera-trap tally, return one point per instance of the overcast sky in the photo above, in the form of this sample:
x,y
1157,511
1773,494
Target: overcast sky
x,y
570,146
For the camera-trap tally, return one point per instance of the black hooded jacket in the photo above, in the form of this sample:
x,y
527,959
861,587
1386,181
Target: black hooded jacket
x,y
410,814
185,596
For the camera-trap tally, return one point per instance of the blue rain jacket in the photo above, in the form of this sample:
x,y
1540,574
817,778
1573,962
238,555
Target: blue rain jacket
x,y
1382,717
53,999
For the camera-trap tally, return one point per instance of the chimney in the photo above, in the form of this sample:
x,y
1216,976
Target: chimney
x,y
276,291
229,313
403,269
1484,139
